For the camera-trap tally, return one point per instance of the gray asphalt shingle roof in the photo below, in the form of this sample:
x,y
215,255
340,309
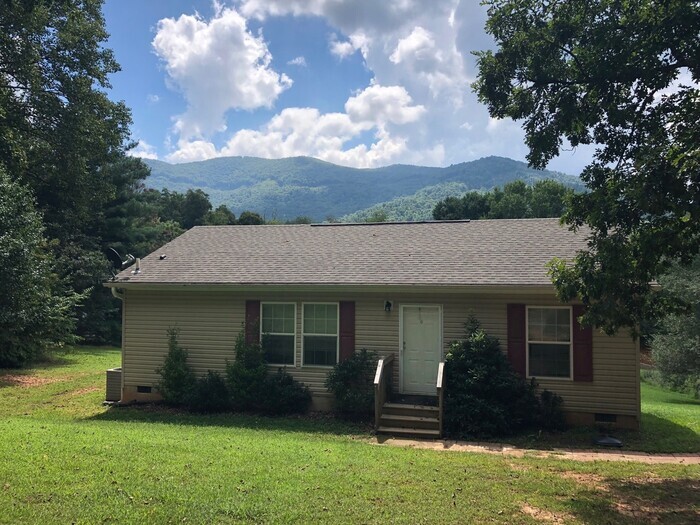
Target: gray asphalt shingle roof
x,y
488,252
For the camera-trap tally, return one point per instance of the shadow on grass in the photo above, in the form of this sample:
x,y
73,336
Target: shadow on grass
x,y
660,433
691,402
27,376
640,500
657,434
161,414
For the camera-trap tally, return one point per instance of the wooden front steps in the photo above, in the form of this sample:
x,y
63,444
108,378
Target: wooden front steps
x,y
406,415
399,419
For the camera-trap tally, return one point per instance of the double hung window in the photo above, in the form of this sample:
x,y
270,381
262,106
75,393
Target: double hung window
x,y
549,349
320,334
277,332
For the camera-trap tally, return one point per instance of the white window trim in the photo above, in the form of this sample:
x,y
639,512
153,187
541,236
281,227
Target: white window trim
x,y
337,334
294,350
571,342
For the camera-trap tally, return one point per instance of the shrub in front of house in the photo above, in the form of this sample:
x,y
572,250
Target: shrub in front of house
x,y
245,376
282,394
551,416
352,383
210,394
177,378
484,396
246,386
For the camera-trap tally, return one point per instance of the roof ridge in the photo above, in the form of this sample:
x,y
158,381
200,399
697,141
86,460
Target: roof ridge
x,y
384,223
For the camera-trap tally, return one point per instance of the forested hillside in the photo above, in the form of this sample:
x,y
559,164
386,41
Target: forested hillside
x,y
416,207
302,186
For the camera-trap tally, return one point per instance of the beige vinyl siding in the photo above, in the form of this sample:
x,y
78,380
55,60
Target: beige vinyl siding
x,y
209,322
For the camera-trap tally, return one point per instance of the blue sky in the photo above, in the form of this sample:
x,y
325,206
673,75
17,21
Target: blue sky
x,y
356,82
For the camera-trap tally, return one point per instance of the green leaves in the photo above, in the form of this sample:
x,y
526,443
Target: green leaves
x,y
63,139
351,382
35,307
618,75
53,72
517,200
483,395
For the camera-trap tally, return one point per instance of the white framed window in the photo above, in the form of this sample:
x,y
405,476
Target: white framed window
x,y
549,342
278,332
320,334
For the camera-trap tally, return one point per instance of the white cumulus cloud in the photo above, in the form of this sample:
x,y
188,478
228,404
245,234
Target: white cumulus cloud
x,y
419,46
383,104
298,61
343,49
385,110
218,65
192,151
143,150
418,108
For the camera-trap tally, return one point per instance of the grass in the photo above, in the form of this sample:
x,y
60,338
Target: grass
x,y
670,420
64,458
670,424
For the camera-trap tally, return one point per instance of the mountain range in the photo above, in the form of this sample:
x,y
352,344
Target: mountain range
x,y
283,189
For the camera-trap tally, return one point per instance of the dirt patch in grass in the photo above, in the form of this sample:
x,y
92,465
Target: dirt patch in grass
x,y
518,467
648,499
545,516
591,481
82,391
25,381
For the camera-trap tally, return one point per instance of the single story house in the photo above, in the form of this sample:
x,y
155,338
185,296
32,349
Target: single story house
x,y
403,290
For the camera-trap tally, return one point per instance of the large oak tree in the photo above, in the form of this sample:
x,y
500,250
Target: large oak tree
x,y
63,138
622,75
59,131
35,310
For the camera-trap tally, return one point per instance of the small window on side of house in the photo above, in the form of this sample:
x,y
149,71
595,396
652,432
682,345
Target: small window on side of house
x,y
320,334
277,332
549,348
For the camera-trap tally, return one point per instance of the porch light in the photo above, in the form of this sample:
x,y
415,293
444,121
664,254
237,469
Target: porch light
x,y
388,306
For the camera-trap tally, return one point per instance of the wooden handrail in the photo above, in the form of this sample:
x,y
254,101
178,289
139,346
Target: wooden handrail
x,y
440,390
381,386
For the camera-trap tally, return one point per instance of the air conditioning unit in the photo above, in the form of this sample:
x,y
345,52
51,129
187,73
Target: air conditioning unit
x,y
114,385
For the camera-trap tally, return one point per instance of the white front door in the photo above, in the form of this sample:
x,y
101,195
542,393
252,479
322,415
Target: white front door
x,y
421,348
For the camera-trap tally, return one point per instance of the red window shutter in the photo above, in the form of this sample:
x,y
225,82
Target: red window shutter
x,y
252,322
517,346
347,329
583,347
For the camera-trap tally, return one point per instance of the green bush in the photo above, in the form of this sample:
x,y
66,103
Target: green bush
x,y
352,383
246,375
551,416
484,397
676,352
210,394
246,387
689,385
282,394
675,345
177,381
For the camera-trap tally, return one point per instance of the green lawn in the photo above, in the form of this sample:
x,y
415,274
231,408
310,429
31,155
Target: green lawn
x,y
64,458
670,423
670,420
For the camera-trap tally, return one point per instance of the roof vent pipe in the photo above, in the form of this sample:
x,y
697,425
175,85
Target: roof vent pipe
x,y
137,267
